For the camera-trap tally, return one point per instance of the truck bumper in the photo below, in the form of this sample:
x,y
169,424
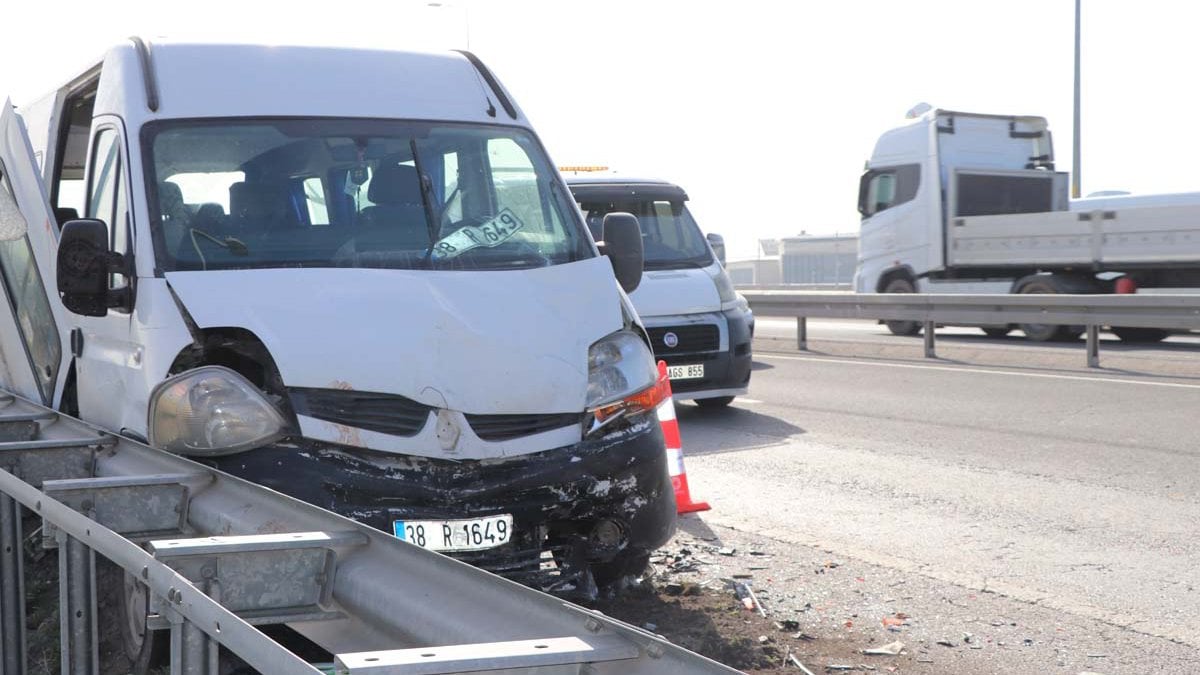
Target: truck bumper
x,y
558,499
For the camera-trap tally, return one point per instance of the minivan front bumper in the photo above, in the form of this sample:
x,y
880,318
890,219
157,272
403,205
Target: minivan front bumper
x,y
557,499
726,364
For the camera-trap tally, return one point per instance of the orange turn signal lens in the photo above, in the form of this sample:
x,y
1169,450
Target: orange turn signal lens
x,y
646,399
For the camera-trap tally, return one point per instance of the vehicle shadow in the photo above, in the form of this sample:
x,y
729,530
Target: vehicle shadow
x,y
759,365
708,431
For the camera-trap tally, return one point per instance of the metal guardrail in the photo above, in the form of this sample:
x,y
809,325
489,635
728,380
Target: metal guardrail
x,y
220,555
1178,312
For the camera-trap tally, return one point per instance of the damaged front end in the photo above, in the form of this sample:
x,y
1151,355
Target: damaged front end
x,y
583,516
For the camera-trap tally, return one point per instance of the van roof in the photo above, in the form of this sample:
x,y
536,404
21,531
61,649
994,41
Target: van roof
x,y
622,188
222,79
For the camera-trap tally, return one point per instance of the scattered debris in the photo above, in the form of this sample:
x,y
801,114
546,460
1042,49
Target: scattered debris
x,y
945,643
796,662
837,666
650,626
890,649
727,551
788,625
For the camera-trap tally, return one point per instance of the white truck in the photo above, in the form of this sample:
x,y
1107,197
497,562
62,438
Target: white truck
x,y
956,202
351,275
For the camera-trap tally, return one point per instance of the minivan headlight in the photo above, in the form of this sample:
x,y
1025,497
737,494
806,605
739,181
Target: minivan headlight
x,y
724,286
618,365
210,411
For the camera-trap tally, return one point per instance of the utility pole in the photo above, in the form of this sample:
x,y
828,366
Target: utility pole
x,y
1075,160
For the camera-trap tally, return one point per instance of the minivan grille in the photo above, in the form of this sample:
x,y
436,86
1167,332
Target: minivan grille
x,y
385,413
507,427
703,337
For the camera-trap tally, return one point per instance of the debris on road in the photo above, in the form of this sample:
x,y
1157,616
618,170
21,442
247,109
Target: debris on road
x,y
890,649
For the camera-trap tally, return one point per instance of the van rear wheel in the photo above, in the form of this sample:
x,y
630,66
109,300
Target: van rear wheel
x,y
902,285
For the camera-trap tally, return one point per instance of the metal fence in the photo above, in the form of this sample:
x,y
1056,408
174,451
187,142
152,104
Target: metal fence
x,y
1171,312
220,556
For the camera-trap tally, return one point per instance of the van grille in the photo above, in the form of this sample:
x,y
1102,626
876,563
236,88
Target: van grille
x,y
385,413
702,337
507,427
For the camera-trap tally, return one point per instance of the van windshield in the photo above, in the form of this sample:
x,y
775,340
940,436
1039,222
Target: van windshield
x,y
670,237
237,194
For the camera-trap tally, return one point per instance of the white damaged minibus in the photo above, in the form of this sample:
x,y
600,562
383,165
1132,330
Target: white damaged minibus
x,y
351,275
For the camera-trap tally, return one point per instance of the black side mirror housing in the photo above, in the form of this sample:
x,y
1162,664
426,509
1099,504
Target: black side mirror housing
x,y
717,242
623,246
84,265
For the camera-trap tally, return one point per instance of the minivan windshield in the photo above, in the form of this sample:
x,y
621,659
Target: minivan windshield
x,y
670,237
234,194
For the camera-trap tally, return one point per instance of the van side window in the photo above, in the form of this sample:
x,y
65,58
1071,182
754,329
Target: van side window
x,y
66,187
27,294
883,188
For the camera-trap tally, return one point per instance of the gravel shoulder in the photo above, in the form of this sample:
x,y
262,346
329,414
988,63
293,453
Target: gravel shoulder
x,y
825,609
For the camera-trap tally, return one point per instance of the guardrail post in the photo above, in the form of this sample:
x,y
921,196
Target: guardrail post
x,y
930,341
12,589
1093,346
77,606
802,333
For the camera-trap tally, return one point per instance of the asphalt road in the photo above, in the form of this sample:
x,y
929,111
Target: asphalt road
x,y
1003,467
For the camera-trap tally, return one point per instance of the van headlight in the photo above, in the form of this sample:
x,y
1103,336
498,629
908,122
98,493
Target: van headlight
x,y
210,411
622,380
724,286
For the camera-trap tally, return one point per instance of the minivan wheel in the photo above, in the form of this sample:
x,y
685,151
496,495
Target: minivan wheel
x,y
902,285
716,402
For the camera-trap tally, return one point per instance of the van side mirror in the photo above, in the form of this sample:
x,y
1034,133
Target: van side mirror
x,y
717,242
623,246
84,265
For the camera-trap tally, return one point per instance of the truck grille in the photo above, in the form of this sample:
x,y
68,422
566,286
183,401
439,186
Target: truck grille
x,y
507,427
690,338
385,413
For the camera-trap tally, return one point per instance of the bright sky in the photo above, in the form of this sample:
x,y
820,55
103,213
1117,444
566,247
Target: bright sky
x,y
763,111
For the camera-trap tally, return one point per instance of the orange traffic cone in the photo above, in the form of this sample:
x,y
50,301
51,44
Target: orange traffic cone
x,y
670,428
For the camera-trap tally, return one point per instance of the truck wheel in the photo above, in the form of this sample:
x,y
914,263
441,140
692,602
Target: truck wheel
x,y
717,402
902,285
1131,334
1051,284
996,332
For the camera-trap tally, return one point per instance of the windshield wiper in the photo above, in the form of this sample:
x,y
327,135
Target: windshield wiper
x,y
431,221
235,246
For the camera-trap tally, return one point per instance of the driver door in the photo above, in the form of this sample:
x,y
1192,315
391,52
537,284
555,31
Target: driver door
x,y
31,315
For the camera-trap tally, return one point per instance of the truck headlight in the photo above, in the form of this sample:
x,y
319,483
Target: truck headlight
x,y
210,411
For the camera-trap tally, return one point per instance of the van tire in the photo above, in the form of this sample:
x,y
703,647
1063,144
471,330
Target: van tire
x,y
716,402
615,576
121,649
902,285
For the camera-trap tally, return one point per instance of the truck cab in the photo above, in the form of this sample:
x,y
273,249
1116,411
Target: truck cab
x,y
351,275
697,323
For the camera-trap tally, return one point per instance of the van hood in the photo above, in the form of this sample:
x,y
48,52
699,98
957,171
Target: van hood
x,y
673,292
494,342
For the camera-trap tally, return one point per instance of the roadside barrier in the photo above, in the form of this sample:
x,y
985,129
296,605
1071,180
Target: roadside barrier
x,y
670,427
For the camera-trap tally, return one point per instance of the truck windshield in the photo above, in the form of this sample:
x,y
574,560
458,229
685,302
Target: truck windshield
x,y
237,194
670,237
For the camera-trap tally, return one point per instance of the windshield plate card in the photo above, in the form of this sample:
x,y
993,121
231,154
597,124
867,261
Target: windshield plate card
x,y
494,232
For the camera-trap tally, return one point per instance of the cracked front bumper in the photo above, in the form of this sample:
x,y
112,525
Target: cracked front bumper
x,y
556,497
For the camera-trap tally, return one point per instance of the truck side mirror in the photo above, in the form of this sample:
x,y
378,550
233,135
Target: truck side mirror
x,y
717,242
623,246
84,263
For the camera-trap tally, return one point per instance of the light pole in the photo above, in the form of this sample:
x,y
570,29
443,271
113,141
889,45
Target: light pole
x,y
1075,161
